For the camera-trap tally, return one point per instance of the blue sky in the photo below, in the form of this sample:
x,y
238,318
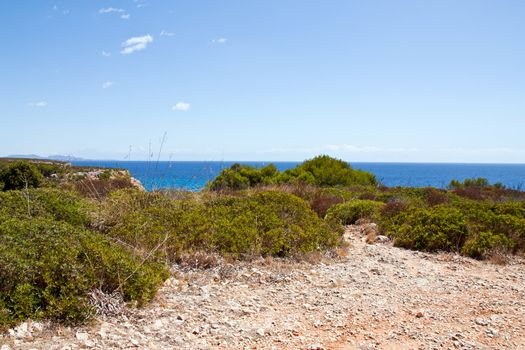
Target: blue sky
x,y
368,80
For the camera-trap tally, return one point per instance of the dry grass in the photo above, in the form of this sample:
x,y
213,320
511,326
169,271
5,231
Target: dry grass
x,y
499,256
371,236
99,189
198,260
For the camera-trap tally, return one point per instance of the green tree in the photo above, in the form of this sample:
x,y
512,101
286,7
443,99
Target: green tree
x,y
327,171
19,175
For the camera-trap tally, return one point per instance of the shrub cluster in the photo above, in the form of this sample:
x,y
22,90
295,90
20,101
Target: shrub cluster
x,y
322,171
239,177
348,213
475,228
266,223
328,171
50,259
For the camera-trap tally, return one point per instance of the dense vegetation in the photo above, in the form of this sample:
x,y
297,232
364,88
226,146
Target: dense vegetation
x,y
50,259
19,175
65,232
60,242
321,171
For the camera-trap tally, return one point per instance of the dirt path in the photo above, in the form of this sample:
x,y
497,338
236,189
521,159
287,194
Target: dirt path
x,y
377,297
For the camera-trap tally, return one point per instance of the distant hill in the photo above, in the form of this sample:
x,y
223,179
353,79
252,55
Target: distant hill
x,y
58,157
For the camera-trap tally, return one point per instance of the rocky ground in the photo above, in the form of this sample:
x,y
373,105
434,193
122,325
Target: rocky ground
x,y
373,296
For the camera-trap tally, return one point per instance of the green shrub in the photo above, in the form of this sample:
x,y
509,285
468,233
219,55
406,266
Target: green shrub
x,y
438,228
47,268
46,203
19,175
266,223
516,209
348,213
239,177
483,244
48,169
229,179
105,175
328,171
321,171
469,183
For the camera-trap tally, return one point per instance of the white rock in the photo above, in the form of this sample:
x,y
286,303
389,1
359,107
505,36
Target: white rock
x,y
382,239
82,336
481,321
158,324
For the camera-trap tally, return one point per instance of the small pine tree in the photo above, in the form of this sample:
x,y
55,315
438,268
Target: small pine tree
x,y
19,175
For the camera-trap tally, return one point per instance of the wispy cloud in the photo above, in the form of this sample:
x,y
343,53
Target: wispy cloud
x,y
140,3
165,33
136,44
64,12
111,9
106,54
38,104
219,41
107,84
123,13
181,106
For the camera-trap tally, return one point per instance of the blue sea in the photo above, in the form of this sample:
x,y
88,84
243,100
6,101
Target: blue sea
x,y
194,175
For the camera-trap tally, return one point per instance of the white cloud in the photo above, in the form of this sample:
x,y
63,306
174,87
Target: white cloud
x,y
181,106
106,54
140,3
122,12
39,104
165,33
136,44
107,84
111,9
219,41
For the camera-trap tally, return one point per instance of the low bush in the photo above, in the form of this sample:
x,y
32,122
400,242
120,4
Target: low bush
x,y
469,183
46,203
239,177
436,197
349,212
393,208
265,223
480,189
48,267
484,244
437,228
323,202
101,187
